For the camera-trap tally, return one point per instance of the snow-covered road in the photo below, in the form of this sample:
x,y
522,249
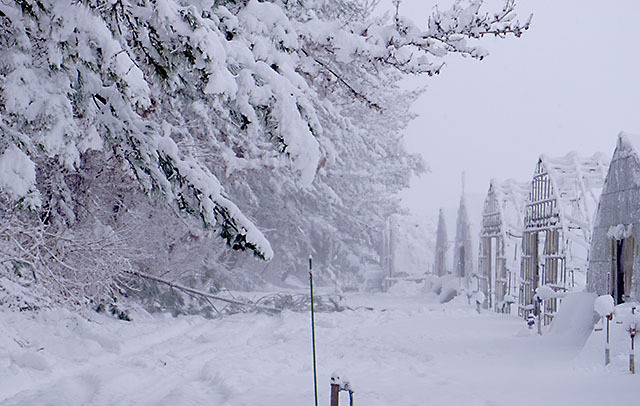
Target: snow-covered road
x,y
409,350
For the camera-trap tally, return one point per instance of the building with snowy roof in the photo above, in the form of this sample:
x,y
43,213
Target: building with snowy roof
x,y
500,243
614,263
558,219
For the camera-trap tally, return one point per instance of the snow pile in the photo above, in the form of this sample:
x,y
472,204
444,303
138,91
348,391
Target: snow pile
x,y
433,284
450,288
620,231
575,318
406,288
545,292
604,305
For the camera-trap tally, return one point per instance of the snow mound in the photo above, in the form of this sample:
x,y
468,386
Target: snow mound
x,y
545,292
604,305
30,359
17,297
406,288
575,318
449,289
434,284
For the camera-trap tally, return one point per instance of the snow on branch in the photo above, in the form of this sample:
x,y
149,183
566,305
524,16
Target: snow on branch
x,y
449,31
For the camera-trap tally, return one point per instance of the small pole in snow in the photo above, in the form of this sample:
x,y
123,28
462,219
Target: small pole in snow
x,y
607,349
539,305
335,394
632,334
338,385
313,333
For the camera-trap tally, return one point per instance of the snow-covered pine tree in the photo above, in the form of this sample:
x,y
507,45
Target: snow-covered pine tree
x,y
463,249
442,246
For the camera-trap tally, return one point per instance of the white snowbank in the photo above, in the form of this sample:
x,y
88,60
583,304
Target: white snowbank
x,y
450,288
407,351
604,305
575,318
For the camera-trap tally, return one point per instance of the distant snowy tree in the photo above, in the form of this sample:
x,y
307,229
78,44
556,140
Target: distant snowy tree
x,y
463,248
442,247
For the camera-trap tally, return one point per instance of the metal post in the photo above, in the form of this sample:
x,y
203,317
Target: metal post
x,y
607,349
539,306
632,333
338,385
335,394
313,333
632,361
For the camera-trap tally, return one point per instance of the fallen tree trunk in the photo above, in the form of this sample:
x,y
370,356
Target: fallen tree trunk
x,y
203,294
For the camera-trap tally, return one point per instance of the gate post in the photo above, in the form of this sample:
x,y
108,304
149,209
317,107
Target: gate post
x,y
335,394
339,384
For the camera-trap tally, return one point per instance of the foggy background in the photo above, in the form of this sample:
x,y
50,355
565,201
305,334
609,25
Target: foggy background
x,y
569,83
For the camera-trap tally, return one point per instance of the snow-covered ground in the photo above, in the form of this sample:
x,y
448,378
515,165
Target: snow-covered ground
x,y
408,350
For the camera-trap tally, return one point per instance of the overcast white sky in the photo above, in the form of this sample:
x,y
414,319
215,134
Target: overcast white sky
x,y
570,83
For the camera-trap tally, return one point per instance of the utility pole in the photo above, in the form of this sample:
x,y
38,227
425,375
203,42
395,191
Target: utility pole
x,y
313,333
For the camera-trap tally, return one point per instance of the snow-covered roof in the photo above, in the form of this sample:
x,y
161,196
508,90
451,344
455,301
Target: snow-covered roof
x,y
564,195
631,140
577,183
503,216
503,211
